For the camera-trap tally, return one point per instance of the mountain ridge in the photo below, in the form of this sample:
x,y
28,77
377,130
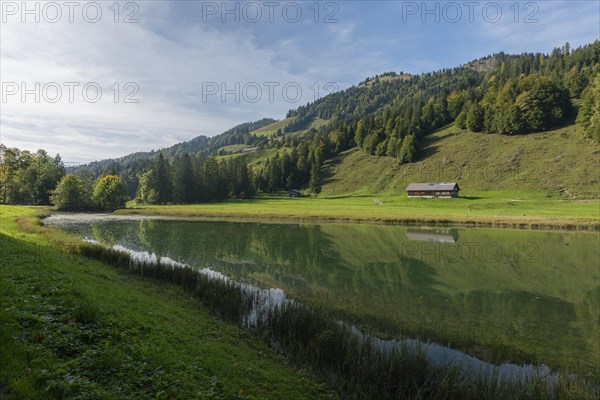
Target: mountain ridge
x,y
392,114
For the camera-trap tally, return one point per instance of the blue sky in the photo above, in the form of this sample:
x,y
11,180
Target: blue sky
x,y
202,67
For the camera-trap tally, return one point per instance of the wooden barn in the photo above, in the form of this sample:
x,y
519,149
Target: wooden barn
x,y
433,189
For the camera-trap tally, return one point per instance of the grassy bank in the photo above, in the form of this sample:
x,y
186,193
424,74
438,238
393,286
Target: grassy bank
x,y
497,209
71,327
82,329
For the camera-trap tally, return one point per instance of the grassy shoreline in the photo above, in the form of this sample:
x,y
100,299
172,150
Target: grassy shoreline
x,y
73,327
91,328
495,210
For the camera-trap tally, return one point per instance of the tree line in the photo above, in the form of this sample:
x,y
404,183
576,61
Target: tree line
x,y
73,193
294,166
28,178
198,179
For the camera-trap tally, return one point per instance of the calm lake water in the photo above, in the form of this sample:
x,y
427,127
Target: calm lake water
x,y
522,297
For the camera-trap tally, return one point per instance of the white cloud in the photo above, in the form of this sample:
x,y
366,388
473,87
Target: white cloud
x,y
170,75
170,54
551,24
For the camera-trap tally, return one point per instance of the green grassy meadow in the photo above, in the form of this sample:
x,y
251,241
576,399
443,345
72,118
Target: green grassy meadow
x,y
487,208
71,327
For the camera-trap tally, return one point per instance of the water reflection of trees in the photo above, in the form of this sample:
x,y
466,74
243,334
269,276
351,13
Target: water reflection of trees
x,y
542,310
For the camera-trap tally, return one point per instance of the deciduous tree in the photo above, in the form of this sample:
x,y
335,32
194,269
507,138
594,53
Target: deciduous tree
x,y
70,194
109,193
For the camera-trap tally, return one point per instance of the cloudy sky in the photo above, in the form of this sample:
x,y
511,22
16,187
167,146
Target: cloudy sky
x,y
95,80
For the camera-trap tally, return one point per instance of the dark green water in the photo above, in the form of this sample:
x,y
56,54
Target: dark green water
x,y
524,297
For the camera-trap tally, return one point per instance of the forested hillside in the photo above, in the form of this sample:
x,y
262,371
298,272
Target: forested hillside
x,y
390,117
511,95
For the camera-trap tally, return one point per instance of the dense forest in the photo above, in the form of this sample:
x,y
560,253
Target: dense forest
x,y
195,179
388,115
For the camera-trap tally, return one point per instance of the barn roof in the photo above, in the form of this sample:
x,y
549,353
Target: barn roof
x,y
445,186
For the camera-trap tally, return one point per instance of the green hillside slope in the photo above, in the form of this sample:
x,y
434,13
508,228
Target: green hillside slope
x,y
560,163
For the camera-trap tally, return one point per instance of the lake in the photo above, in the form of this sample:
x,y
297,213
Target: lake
x,y
502,296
